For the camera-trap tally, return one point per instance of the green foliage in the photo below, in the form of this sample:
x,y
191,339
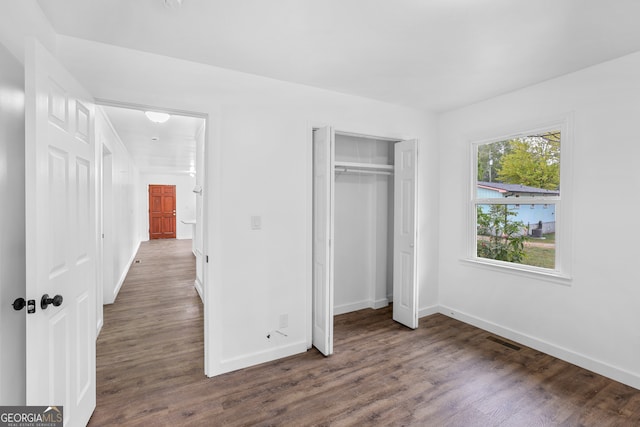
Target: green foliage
x,y
490,158
504,239
533,161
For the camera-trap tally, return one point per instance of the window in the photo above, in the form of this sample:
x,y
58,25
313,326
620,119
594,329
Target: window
x,y
522,169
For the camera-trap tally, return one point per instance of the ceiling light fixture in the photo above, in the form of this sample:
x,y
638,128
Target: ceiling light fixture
x,y
172,3
157,117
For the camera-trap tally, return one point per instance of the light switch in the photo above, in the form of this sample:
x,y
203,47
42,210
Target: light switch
x,y
256,222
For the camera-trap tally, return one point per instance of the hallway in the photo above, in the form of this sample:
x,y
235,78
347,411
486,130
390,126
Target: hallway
x,y
152,338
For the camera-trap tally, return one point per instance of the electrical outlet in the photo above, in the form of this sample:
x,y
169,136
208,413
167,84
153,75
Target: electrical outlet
x,y
284,321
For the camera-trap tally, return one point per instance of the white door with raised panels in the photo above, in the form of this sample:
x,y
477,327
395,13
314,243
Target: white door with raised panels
x,y
405,287
61,239
322,316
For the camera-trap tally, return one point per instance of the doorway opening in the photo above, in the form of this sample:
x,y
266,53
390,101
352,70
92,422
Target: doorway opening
x,y
152,178
166,155
364,232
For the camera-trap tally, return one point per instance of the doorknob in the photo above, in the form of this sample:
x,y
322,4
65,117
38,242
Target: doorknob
x,y
19,304
45,301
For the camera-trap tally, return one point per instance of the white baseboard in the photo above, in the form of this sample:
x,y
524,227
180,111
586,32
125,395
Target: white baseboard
x,y
428,311
380,303
123,276
348,308
256,358
198,286
562,353
360,305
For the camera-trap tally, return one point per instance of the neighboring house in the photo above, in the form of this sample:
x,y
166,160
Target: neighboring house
x,y
530,215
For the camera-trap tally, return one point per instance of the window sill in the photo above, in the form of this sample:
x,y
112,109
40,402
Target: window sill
x,y
532,273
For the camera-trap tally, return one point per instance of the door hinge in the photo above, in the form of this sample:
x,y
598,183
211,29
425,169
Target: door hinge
x,y
206,259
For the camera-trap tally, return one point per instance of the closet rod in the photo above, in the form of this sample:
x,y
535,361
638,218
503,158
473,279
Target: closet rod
x,y
362,171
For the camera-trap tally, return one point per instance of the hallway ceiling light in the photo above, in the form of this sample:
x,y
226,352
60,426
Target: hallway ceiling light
x,y
172,3
157,117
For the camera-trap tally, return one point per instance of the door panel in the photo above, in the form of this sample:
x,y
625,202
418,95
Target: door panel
x,y
322,316
162,211
61,238
405,288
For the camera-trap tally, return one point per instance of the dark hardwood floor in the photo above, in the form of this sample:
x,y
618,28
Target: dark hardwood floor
x,y
446,373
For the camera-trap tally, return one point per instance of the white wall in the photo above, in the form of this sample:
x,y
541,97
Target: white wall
x,y
185,202
594,321
259,159
122,232
12,229
363,234
354,242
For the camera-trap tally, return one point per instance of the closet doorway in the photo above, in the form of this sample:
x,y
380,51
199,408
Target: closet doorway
x,y
364,229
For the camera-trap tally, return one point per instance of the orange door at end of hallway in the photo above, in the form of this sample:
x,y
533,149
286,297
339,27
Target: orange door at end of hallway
x,y
162,211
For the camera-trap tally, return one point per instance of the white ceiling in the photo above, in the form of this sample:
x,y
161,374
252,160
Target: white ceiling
x,y
173,152
430,54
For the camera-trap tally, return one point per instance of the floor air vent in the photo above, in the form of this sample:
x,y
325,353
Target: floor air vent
x,y
504,343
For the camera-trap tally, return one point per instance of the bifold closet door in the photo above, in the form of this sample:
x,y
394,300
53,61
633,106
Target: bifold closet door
x,y
323,190
405,289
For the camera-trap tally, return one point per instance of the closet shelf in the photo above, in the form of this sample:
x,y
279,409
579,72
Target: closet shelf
x,y
364,166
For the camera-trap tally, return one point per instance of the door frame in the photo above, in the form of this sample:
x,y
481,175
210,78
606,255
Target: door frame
x,y
105,221
208,207
309,206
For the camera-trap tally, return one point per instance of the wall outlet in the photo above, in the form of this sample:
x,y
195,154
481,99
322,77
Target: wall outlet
x,y
284,321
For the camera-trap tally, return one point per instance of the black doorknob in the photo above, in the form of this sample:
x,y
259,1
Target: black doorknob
x,y
45,301
19,304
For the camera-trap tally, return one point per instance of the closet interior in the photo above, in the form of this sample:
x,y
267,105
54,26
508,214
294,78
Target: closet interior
x,y
363,222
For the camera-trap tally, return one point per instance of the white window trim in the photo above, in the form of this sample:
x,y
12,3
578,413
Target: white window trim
x,y
563,263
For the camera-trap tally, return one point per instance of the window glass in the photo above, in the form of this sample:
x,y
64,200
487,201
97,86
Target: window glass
x,y
516,193
522,236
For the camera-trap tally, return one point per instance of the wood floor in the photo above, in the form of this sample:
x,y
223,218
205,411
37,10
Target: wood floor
x,y
446,373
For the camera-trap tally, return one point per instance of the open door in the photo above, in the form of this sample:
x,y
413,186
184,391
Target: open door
x,y
405,289
323,141
61,239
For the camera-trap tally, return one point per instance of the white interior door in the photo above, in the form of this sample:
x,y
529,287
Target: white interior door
x,y
323,183
405,289
60,238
